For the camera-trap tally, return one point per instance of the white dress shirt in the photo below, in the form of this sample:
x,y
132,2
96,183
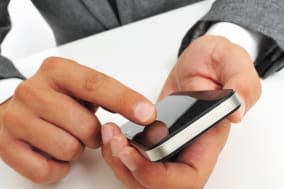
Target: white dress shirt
x,y
247,39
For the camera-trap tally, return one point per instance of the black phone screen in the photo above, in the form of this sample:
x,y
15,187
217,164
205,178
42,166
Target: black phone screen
x,y
174,113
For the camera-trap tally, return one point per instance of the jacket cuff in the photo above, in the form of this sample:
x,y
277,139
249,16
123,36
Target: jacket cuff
x,y
8,70
263,18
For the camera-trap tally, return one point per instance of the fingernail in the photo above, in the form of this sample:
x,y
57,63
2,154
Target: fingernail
x,y
126,158
144,111
116,145
107,133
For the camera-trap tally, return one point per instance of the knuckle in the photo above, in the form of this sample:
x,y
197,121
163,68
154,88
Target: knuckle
x,y
71,150
149,182
28,92
220,51
91,132
39,178
9,116
90,128
239,51
42,175
222,47
95,81
12,121
53,64
50,64
25,90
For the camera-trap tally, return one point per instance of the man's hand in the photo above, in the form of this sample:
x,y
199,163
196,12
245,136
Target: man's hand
x,y
50,119
208,63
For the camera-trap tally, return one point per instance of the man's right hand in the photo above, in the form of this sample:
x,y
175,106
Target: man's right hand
x,y
49,120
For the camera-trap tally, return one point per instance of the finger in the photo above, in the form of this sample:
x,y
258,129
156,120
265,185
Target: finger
x,y
91,107
236,71
224,64
203,152
44,136
149,174
96,87
109,131
62,111
169,86
196,163
159,175
153,134
32,165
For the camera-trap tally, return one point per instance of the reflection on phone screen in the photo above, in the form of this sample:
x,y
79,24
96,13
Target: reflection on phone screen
x,y
152,134
174,113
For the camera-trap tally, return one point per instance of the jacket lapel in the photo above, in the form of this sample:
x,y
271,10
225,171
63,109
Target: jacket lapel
x,y
102,11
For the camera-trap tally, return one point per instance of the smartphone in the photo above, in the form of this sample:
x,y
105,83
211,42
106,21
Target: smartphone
x,y
181,117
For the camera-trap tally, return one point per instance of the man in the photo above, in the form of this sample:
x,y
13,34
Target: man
x,y
49,120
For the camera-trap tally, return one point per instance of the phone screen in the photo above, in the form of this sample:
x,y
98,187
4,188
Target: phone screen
x,y
174,113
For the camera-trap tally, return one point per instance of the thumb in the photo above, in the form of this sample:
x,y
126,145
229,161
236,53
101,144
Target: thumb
x,y
158,175
236,71
170,85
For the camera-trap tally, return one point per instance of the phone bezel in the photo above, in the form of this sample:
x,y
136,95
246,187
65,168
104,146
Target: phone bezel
x,y
164,149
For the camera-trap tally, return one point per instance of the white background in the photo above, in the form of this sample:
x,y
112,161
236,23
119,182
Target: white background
x,y
253,157
30,33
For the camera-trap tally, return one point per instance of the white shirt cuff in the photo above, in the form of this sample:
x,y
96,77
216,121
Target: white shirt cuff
x,y
248,40
7,88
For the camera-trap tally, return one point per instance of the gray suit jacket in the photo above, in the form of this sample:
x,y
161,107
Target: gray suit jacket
x,y
74,19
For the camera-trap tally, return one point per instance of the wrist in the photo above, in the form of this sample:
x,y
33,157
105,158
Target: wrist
x,y
248,40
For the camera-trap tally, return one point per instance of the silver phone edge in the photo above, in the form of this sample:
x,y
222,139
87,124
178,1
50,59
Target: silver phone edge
x,y
165,149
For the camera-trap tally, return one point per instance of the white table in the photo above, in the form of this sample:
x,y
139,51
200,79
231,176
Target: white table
x,y
140,55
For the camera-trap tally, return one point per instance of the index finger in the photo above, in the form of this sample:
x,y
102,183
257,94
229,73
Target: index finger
x,y
90,85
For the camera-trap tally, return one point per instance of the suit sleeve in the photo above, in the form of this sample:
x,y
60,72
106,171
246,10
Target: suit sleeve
x,y
7,69
262,16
